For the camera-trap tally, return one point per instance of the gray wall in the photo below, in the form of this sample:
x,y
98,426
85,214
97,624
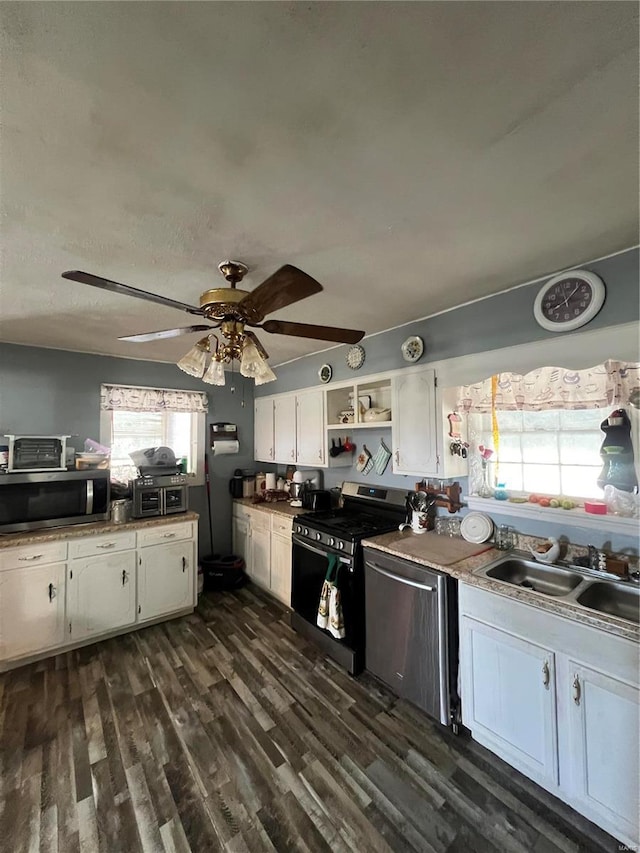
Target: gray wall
x,y
52,391
498,321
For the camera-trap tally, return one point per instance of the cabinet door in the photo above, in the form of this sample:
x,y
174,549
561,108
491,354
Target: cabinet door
x,y
263,429
310,432
284,417
509,698
261,556
31,609
101,594
414,423
165,579
604,722
240,540
281,567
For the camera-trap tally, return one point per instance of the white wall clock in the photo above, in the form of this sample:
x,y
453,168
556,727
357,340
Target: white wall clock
x,y
412,348
569,300
355,357
325,373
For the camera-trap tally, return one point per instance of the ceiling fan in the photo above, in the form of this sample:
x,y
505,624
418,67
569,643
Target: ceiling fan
x,y
231,309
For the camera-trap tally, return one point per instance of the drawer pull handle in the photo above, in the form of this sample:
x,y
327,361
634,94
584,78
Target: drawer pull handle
x,y
577,692
546,674
169,536
52,592
29,559
107,545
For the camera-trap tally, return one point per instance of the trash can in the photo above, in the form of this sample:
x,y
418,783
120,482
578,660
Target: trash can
x,y
223,572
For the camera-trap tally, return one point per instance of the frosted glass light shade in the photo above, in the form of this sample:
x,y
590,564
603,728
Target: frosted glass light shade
x,y
267,375
252,362
194,362
214,374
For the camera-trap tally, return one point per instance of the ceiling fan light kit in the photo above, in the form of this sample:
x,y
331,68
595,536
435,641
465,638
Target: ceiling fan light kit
x,y
230,310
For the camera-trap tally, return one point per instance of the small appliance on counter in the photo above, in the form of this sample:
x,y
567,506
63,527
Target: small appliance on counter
x,y
161,488
301,482
316,499
236,484
155,460
34,453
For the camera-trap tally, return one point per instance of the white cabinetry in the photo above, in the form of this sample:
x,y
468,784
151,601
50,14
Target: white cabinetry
x,y
284,416
280,580
310,429
31,609
165,579
260,549
263,539
414,423
101,594
241,535
579,688
263,429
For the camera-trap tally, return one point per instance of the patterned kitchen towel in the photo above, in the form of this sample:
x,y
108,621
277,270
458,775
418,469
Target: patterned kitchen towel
x,y
382,457
365,462
336,617
322,620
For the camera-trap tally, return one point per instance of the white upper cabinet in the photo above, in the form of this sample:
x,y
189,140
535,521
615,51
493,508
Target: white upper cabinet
x,y
284,415
414,423
310,430
263,429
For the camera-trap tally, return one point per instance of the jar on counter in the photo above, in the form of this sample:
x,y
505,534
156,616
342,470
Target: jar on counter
x,y
248,486
121,511
261,482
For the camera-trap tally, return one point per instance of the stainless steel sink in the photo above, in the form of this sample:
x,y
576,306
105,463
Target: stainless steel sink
x,y
549,580
613,599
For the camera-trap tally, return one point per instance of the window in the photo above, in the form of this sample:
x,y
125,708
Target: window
x,y
125,428
553,452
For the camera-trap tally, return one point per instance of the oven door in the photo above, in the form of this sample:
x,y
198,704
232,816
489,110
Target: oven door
x,y
309,568
175,499
147,502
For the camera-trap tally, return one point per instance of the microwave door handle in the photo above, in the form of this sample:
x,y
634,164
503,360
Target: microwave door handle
x,y
89,506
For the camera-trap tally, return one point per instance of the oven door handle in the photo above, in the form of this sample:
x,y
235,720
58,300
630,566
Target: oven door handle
x,y
319,550
394,577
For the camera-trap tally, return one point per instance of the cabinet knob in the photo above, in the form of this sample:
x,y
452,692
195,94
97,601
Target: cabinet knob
x,y
546,674
293,453
577,692
397,457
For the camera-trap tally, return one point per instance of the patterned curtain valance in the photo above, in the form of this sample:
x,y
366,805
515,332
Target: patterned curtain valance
x,y
131,399
611,383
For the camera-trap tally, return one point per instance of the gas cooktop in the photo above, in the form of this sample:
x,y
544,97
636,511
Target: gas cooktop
x,y
346,524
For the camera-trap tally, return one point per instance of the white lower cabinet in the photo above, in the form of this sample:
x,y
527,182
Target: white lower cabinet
x,y
558,700
263,539
101,594
31,609
241,537
260,563
165,579
281,567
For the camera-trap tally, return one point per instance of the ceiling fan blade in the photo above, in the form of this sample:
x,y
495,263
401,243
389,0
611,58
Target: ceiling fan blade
x,y
257,343
286,286
116,287
166,333
321,333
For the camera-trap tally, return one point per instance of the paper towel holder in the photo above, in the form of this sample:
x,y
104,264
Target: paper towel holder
x,y
222,433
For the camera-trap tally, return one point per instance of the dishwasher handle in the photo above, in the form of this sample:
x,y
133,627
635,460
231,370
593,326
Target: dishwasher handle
x,y
400,579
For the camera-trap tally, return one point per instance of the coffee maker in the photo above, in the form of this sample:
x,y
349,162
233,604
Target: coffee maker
x,y
302,480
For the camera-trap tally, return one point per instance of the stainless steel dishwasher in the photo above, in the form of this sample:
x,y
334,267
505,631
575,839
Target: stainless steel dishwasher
x,y
412,633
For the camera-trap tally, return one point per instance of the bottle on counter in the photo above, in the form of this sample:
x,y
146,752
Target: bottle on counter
x,y
261,481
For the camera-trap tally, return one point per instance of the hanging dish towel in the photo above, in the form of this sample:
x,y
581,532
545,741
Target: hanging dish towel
x,y
322,620
365,462
382,457
336,618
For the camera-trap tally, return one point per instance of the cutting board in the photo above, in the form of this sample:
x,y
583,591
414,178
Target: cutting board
x,y
443,550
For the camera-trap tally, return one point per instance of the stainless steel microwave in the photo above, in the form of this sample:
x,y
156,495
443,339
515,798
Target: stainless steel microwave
x,y
31,453
52,499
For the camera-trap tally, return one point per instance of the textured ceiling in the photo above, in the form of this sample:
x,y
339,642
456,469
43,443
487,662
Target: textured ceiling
x,y
409,156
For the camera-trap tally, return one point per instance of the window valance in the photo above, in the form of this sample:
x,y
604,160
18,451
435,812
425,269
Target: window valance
x,y
601,386
132,399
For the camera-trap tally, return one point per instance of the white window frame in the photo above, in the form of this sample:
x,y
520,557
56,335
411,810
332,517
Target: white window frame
x,y
198,438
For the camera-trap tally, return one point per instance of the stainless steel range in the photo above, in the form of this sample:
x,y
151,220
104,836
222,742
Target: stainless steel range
x,y
366,511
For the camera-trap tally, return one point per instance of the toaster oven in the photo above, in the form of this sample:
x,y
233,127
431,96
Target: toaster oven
x,y
37,453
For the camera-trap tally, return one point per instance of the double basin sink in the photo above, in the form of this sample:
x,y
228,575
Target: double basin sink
x,y
612,597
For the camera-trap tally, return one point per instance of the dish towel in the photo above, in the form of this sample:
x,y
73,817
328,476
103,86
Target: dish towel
x,y
382,457
365,461
330,616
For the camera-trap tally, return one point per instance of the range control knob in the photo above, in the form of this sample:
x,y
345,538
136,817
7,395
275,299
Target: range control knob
x,y
306,531
318,537
332,541
298,528
340,545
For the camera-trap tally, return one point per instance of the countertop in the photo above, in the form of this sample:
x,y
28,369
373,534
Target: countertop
x,y
395,545
277,507
95,528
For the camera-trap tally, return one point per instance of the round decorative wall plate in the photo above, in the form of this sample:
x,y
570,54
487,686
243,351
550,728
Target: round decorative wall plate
x,y
569,300
325,373
412,348
355,357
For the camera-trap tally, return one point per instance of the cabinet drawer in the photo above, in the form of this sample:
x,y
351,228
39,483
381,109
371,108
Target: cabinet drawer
x,y
165,534
33,555
260,520
282,525
105,544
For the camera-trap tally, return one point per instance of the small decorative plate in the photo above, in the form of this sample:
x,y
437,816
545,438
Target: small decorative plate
x,y
476,527
325,373
355,357
412,348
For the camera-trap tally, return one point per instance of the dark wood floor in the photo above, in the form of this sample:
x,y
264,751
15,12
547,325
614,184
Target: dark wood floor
x,y
226,731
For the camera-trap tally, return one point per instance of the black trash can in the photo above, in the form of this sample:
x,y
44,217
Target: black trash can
x,y
223,572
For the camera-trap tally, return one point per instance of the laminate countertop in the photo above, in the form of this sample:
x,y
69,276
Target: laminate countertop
x,y
273,507
95,528
403,544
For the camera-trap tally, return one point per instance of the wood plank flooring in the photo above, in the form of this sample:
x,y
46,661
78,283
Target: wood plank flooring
x,y
226,731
